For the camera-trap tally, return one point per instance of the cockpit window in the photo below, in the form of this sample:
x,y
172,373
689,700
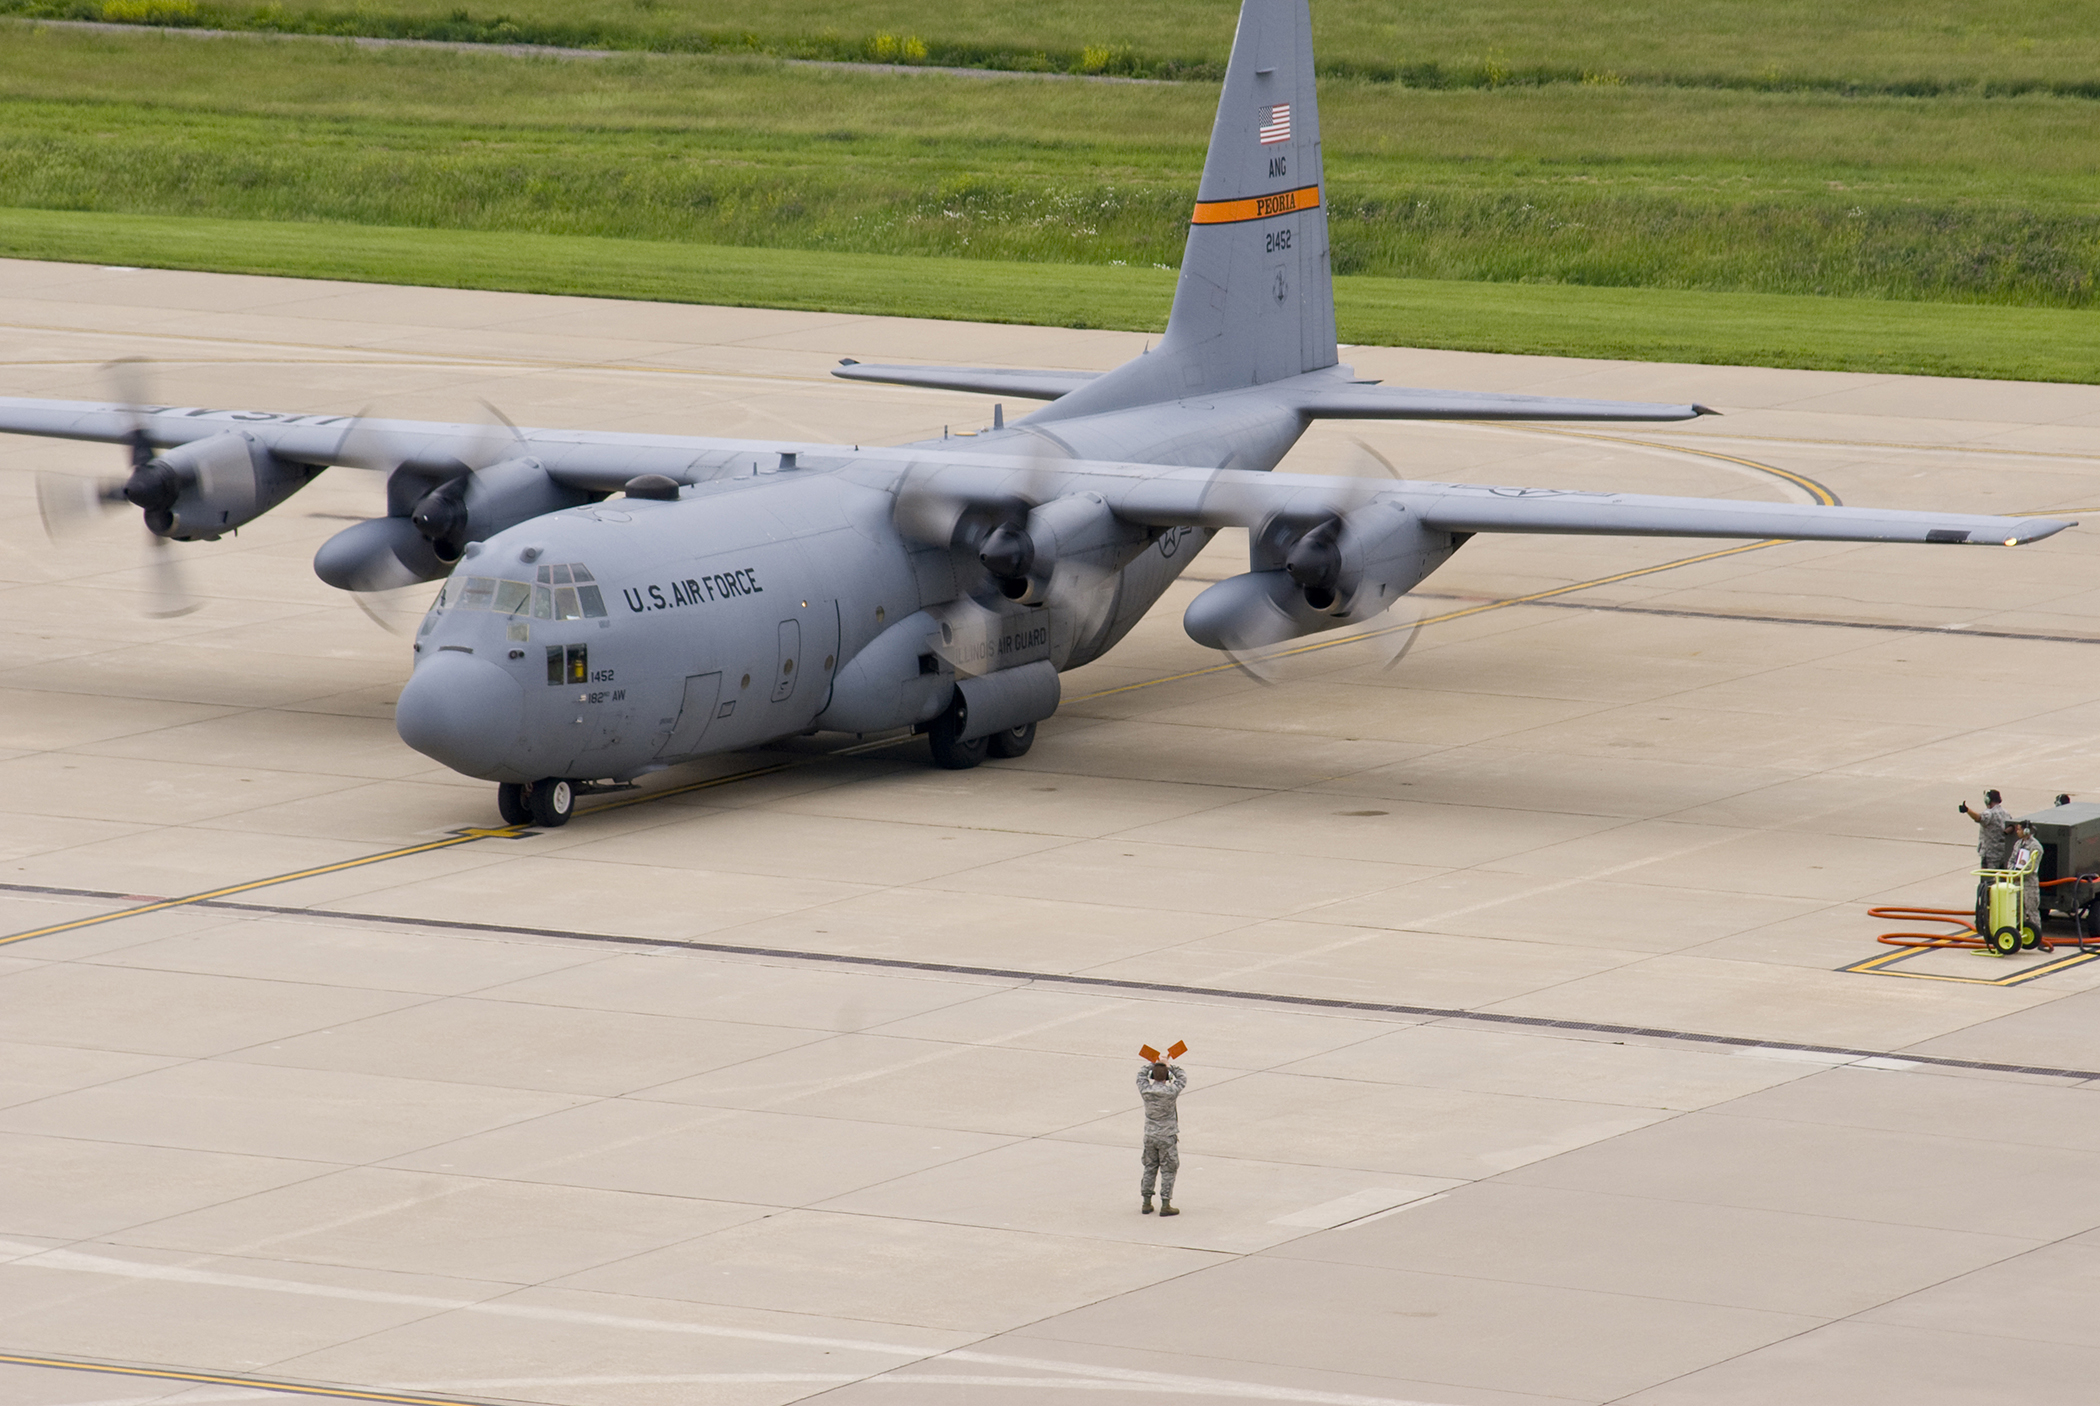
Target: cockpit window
x,y
561,593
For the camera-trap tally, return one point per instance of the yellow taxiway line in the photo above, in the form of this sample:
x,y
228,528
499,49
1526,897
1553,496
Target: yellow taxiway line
x,y
172,1374
464,837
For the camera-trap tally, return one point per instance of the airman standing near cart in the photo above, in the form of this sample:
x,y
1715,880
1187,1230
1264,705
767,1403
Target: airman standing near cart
x,y
2027,855
1996,840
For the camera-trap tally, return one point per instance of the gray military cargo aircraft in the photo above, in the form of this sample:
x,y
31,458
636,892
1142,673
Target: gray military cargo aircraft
x,y
617,603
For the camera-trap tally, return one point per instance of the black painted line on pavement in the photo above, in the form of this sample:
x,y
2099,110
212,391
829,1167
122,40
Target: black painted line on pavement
x,y
1103,983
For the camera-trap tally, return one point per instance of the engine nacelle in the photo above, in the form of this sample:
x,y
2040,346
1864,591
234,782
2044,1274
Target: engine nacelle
x,y
1339,572
1078,526
199,490
432,522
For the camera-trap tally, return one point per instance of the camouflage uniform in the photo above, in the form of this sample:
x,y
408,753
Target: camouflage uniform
x,y
2031,887
1162,1130
1994,840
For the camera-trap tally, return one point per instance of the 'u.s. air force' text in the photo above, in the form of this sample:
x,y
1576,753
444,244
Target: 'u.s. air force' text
x,y
727,585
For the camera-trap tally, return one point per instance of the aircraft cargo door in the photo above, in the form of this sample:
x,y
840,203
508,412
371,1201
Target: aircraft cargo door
x,y
697,711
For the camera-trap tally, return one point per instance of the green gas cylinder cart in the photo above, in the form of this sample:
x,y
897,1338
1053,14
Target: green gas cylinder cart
x,y
2004,928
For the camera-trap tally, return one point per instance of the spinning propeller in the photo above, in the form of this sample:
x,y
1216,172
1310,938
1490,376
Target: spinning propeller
x,y
1037,545
1314,564
69,504
430,491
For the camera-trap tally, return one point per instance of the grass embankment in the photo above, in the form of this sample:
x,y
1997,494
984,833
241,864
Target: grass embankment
x,y
1910,47
1638,324
1957,198
1631,189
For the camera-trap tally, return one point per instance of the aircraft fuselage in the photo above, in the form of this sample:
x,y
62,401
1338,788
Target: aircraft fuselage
x,y
620,637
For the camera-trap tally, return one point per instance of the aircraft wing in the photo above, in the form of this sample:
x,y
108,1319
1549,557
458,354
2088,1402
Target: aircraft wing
x,y
1236,499
604,460
1456,508
600,460
985,380
1371,402
1317,398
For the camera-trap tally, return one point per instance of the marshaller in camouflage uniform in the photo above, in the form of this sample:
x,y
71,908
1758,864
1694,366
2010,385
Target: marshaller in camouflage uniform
x,y
1159,1086
1994,838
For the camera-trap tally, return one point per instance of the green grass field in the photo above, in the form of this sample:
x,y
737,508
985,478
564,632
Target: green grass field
x,y
1865,209
1894,46
1634,324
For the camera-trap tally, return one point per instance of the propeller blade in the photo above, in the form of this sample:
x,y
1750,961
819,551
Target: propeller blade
x,y
365,446
70,505
1377,458
1384,641
500,439
1405,635
130,383
925,515
168,596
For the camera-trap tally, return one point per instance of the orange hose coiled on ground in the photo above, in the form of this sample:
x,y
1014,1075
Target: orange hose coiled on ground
x,y
1962,920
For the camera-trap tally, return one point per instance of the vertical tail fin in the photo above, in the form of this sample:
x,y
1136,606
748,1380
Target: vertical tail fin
x,y
1255,301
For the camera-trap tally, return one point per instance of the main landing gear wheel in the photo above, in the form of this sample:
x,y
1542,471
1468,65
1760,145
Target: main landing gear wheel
x,y
943,735
2005,941
512,805
1014,742
553,801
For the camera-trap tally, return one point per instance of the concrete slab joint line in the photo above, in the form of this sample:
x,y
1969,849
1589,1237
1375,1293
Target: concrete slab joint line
x,y
1883,1059
1072,1374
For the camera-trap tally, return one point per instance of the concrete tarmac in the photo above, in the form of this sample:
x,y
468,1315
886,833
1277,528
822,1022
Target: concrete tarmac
x,y
1525,1067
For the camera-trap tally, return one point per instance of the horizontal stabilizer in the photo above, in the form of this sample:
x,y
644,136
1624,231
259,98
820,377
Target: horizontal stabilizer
x,y
984,380
1359,402
1467,509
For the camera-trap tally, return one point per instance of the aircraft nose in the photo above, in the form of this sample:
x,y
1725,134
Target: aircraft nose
x,y
462,711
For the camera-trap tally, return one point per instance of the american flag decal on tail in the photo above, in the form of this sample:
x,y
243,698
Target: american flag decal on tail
x,y
1276,124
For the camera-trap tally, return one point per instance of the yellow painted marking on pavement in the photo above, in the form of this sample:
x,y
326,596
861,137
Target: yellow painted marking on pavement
x,y
171,1374
713,781
1885,964
1808,485
464,837
1889,444
1259,207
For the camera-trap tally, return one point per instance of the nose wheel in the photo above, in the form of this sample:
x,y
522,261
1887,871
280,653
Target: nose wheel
x,y
547,803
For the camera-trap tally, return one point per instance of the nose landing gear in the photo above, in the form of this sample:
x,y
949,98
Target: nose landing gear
x,y
547,803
